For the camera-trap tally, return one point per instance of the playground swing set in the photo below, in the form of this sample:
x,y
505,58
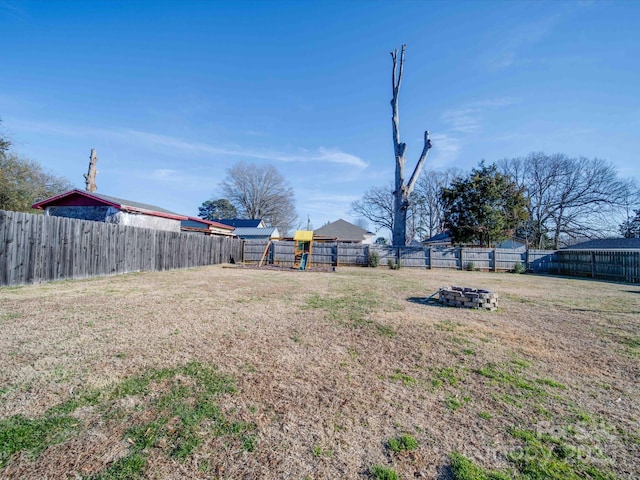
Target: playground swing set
x,y
302,249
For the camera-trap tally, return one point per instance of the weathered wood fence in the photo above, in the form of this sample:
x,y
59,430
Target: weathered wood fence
x,y
617,265
336,254
39,248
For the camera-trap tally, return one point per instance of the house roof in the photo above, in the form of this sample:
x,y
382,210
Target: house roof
x,y
241,222
209,223
256,232
607,244
343,231
442,237
83,198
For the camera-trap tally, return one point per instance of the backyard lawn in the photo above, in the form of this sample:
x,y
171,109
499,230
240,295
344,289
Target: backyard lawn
x,y
236,373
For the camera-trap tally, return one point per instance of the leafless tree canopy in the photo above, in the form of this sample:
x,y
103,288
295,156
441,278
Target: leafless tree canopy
x,y
568,197
429,219
376,206
261,192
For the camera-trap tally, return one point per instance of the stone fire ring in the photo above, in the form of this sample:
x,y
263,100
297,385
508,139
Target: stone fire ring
x,y
463,297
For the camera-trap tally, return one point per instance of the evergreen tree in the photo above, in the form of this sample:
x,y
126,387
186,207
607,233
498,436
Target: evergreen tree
x,y
485,208
215,209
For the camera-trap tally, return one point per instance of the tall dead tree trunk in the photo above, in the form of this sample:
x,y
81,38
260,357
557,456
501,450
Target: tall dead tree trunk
x,y
402,190
90,176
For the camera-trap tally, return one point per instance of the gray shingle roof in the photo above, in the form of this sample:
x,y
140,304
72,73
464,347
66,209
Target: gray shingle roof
x,y
131,203
606,244
243,232
343,231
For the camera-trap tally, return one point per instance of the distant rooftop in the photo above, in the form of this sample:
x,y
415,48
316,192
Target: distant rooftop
x,y
607,244
240,222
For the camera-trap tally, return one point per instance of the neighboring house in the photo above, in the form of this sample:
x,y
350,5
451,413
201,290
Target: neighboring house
x,y
256,233
343,231
103,208
243,222
206,227
442,239
607,244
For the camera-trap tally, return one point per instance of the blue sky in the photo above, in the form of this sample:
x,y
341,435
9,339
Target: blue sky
x,y
171,94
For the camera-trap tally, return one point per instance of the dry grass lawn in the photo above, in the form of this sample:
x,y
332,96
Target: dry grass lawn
x,y
239,373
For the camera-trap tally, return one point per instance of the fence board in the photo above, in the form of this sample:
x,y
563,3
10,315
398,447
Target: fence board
x,y
39,248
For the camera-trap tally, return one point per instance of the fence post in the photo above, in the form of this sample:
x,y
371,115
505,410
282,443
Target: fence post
x,y
593,264
334,254
272,249
526,259
428,253
460,255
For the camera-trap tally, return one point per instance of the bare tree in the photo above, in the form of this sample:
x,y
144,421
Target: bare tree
x,y
568,197
261,192
376,206
402,191
90,176
429,217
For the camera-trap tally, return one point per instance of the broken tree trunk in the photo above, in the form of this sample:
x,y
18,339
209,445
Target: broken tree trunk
x,y
90,176
402,191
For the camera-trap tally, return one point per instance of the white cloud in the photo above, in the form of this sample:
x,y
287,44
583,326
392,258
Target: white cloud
x,y
468,118
445,151
464,120
510,48
160,143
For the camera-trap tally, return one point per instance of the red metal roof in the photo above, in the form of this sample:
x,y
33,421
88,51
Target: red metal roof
x,y
213,224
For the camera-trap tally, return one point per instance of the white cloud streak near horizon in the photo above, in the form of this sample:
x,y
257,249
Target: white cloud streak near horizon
x,y
154,140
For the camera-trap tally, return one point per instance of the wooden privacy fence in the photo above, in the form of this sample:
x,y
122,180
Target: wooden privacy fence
x,y
350,254
39,248
616,265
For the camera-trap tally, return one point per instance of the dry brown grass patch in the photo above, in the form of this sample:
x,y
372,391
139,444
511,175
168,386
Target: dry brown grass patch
x,y
326,369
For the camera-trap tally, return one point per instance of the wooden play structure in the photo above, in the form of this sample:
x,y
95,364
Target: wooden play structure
x,y
302,249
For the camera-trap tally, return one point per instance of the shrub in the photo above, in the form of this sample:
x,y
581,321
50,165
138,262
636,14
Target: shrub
x,y
393,265
405,443
374,259
519,268
471,266
382,473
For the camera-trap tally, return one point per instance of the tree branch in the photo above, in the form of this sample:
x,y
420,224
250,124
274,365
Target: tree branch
x,y
421,160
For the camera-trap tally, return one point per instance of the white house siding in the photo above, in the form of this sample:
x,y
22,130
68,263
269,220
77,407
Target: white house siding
x,y
113,215
144,221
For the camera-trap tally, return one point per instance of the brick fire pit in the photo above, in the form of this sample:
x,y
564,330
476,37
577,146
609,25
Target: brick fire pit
x,y
468,298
